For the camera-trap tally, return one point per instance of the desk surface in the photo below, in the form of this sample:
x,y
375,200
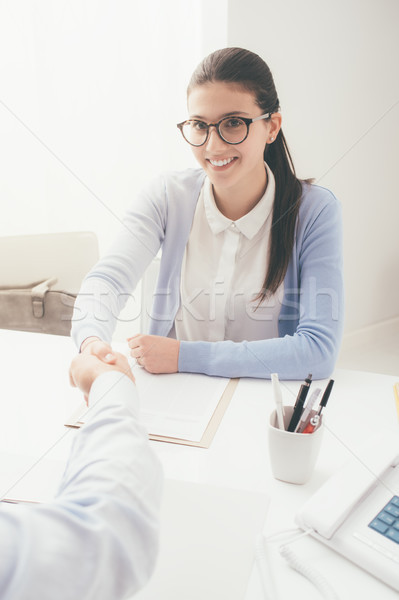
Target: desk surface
x,y
36,399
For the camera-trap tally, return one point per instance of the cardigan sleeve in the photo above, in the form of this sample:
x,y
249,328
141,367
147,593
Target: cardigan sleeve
x,y
106,288
311,323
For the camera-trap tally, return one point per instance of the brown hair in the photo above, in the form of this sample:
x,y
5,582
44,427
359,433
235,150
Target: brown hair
x,y
236,65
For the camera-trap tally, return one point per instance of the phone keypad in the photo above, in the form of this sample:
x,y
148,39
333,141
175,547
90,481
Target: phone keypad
x,y
387,520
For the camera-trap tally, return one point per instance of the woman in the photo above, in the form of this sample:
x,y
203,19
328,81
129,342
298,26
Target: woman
x,y
250,277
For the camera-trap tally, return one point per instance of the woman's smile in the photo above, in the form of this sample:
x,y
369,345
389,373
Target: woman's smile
x,y
221,163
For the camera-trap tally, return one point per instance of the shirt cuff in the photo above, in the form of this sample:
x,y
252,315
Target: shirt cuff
x,y
112,389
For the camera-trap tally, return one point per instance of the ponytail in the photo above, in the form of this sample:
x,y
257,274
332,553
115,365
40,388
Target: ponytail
x,y
236,65
285,213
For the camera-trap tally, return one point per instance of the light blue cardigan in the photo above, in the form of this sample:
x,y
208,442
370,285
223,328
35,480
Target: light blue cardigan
x,y
311,317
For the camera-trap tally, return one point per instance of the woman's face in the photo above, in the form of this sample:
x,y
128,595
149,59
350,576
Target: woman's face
x,y
242,163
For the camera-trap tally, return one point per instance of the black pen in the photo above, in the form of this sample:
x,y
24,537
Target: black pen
x,y
300,401
325,396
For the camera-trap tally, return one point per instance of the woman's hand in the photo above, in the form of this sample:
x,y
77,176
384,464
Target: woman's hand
x,y
95,346
155,353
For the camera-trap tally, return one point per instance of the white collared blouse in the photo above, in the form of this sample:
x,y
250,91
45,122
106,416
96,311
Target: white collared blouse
x,y
223,271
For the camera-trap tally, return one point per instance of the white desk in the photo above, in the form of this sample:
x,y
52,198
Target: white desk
x,y
36,398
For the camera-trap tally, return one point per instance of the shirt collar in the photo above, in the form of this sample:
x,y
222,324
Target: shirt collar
x,y
249,224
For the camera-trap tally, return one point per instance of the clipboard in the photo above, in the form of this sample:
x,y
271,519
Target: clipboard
x,y
76,420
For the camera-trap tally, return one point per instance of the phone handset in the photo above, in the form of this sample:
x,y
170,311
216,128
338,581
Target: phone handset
x,y
328,508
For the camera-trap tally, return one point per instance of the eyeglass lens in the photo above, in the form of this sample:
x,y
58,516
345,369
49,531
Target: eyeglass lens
x,y
232,130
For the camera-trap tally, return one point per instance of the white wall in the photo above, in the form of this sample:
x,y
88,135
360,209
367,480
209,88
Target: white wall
x,y
335,64
90,94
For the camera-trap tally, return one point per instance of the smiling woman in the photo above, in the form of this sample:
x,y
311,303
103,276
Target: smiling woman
x,y
250,278
235,166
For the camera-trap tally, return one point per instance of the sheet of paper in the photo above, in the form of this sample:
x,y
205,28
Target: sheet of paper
x,y
178,405
23,478
207,542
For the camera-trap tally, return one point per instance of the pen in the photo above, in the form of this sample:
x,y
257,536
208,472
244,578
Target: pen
x,y
300,401
314,421
396,392
305,417
278,399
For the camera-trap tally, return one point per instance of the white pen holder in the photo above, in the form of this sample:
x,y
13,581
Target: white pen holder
x,y
293,455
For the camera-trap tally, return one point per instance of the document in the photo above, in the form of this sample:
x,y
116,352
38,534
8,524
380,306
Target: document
x,y
27,479
178,405
183,408
207,542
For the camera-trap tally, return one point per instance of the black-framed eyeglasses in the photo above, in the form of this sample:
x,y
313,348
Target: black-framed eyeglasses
x,y
232,130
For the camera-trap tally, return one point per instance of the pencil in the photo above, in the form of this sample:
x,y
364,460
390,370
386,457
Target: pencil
x,y
396,393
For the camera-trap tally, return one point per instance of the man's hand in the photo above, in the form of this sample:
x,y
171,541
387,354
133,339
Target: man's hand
x,y
155,353
86,367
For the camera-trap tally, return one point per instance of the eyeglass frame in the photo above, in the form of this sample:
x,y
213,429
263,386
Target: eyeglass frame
x,y
246,120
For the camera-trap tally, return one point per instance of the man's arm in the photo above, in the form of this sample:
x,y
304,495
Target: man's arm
x,y
98,539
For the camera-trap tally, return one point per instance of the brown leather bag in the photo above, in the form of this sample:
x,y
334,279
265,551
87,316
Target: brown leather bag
x,y
37,308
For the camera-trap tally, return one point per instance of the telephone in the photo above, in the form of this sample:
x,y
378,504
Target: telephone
x,y
356,512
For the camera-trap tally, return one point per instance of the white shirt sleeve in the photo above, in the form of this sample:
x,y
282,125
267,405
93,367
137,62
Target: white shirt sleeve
x,y
98,539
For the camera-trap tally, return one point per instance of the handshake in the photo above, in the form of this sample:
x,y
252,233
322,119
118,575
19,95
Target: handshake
x,y
95,359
